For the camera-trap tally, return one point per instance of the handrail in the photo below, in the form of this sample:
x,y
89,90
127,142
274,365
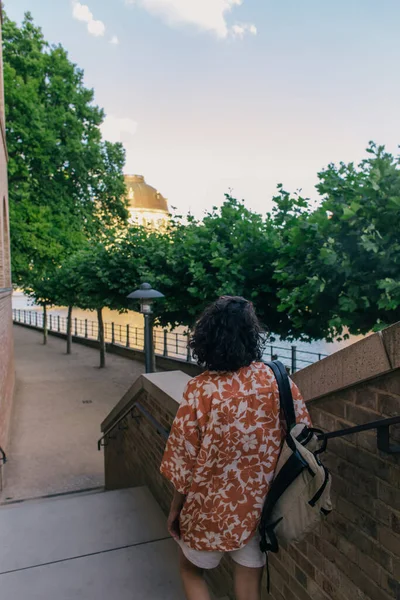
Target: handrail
x,y
157,426
382,430
3,456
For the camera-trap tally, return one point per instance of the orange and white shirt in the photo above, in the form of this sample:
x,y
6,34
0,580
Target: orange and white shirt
x,y
222,452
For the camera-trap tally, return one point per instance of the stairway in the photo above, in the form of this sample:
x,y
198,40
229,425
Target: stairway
x,y
95,546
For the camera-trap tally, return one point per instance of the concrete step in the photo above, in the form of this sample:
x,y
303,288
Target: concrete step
x,y
88,547
57,496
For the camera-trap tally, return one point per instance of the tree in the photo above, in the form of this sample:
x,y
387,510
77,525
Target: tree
x,y
339,264
66,291
194,262
88,273
43,291
65,184
225,253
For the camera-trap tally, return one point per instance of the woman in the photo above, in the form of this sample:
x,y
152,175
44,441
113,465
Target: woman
x,y
223,448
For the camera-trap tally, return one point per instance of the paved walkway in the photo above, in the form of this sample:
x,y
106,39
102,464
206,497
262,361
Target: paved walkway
x,y
59,404
97,546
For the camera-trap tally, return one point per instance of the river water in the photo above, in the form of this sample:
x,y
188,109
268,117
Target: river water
x,y
135,321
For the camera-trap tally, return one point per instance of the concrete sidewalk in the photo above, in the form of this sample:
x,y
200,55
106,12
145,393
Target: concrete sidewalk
x,y
59,404
93,547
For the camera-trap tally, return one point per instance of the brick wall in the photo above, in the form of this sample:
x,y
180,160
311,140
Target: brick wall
x,y
355,555
6,346
6,367
134,459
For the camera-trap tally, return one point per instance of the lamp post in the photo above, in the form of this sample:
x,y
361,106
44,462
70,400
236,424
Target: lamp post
x,y
146,296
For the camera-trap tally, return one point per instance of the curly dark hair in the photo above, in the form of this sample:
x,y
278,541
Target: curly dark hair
x,y
228,335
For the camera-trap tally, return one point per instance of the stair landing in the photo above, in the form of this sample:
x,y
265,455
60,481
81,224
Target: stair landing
x,y
88,547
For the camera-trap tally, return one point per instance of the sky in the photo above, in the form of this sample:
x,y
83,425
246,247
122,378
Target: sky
x,y
211,96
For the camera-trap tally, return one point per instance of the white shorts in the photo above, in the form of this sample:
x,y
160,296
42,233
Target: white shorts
x,y
248,556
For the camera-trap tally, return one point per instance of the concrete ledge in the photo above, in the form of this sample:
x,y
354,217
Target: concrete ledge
x,y
127,399
391,340
375,355
166,388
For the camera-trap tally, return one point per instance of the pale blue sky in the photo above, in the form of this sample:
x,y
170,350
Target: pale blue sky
x,y
219,106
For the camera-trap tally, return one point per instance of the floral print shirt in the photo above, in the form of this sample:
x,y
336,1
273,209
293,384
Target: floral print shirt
x,y
222,452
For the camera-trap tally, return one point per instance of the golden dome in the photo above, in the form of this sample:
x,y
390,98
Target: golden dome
x,y
143,197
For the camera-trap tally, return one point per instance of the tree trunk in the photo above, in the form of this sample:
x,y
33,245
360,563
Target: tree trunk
x,y
101,338
44,324
69,330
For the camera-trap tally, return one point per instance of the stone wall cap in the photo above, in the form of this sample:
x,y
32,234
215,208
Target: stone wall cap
x,y
172,383
166,387
363,360
391,339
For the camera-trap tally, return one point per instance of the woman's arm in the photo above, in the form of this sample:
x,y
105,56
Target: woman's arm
x,y
177,503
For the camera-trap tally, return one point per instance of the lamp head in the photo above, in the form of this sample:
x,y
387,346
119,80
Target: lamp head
x,y
146,296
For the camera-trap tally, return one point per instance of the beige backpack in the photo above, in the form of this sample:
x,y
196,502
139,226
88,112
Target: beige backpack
x,y
299,496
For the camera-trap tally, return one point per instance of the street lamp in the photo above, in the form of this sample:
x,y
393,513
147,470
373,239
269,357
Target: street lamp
x,y
146,296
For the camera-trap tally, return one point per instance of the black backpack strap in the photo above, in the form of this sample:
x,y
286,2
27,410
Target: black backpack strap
x,y
292,469
285,392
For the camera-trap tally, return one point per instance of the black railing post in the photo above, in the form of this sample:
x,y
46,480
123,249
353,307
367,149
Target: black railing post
x,y
58,323
294,365
76,326
136,338
272,353
188,353
30,318
25,316
148,344
50,322
127,335
165,352
112,333
176,343
36,319
86,330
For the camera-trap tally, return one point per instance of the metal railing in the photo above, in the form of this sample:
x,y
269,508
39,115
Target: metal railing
x,y
382,427
166,343
119,425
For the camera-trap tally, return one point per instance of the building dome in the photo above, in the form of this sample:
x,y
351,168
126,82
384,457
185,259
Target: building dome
x,y
147,207
142,196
